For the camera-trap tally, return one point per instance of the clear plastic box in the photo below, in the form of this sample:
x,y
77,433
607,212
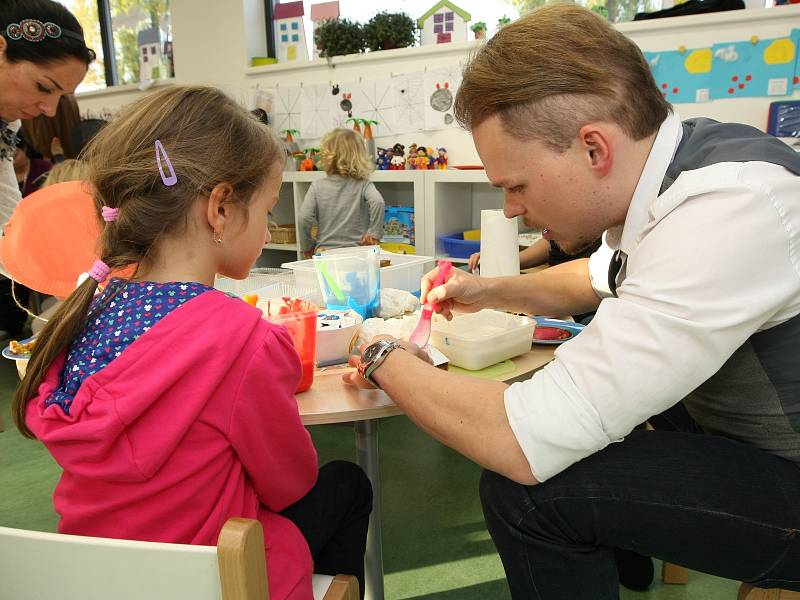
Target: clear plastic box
x,y
475,341
404,273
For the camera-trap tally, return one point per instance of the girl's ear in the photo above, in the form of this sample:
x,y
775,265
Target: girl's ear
x,y
219,209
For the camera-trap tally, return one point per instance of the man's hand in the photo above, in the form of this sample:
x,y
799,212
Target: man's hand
x,y
354,377
308,253
462,292
56,149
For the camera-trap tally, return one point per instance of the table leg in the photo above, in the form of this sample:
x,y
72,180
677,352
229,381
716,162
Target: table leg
x,y
367,457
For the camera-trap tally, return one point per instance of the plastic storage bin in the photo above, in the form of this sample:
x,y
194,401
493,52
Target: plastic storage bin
x,y
456,246
404,273
475,341
350,278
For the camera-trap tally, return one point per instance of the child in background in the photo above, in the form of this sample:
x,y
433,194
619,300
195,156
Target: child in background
x,y
168,404
346,206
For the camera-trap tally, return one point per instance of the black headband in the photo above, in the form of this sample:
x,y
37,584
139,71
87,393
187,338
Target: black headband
x,y
34,30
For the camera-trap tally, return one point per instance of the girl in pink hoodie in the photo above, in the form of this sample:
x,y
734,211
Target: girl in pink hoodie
x,y
169,405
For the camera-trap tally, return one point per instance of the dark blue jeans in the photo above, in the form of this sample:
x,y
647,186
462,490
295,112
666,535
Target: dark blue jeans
x,y
706,502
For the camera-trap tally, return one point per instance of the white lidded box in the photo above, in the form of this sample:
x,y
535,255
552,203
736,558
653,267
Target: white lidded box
x,y
475,341
404,273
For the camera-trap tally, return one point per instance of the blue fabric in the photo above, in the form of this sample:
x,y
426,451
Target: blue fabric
x,y
133,308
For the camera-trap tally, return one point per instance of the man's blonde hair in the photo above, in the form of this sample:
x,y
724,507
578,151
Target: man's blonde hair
x,y
342,152
555,69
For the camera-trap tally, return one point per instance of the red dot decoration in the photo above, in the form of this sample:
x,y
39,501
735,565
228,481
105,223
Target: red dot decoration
x,y
730,90
796,79
664,94
741,86
748,78
674,90
664,86
735,78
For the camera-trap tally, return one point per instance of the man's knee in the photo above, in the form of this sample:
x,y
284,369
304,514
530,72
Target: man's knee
x,y
350,480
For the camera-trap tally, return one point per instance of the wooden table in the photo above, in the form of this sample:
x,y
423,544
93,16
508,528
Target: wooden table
x,y
330,400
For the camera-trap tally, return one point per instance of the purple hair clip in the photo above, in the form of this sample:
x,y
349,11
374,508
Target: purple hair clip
x,y
161,154
109,214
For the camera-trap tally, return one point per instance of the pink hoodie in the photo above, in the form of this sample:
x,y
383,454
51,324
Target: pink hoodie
x,y
194,423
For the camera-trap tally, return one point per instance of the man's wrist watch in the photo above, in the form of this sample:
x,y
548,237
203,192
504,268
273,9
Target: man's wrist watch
x,y
373,357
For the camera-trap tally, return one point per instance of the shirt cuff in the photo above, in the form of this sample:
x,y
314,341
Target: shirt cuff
x,y
553,423
599,263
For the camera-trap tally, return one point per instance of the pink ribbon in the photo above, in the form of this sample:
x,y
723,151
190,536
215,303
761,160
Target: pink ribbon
x,y
99,271
109,214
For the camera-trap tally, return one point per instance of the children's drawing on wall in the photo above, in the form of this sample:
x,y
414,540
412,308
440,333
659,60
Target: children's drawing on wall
x,y
288,108
346,104
315,110
682,75
264,99
409,102
753,68
375,100
441,85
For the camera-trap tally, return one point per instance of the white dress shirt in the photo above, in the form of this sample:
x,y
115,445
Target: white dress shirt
x,y
708,263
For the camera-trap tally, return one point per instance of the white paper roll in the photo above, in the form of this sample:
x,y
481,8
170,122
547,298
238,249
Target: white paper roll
x,y
499,244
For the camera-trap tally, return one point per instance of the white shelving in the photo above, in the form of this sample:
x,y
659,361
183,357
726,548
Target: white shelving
x,y
444,202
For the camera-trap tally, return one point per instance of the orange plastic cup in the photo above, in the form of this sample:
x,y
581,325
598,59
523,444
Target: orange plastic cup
x,y
299,317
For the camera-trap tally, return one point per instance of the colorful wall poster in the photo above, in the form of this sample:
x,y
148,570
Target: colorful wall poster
x,y
748,69
682,75
796,39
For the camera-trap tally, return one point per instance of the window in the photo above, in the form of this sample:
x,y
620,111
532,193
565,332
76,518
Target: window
x,y
294,25
283,26
448,21
438,23
295,37
284,37
129,28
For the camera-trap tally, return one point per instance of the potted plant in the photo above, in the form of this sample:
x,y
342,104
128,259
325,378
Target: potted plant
x,y
504,20
334,37
479,29
385,31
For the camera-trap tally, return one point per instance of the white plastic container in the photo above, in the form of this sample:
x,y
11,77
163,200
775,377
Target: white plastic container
x,y
335,343
404,273
475,341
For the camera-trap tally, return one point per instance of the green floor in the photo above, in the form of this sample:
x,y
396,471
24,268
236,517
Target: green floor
x,y
434,541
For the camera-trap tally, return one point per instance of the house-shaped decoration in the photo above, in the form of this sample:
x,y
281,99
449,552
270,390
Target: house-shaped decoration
x,y
321,12
290,35
444,22
149,42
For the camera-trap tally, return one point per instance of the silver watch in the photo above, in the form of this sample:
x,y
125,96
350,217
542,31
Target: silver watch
x,y
373,356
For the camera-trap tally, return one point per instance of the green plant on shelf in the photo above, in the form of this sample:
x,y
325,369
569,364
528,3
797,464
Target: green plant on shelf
x,y
386,31
336,37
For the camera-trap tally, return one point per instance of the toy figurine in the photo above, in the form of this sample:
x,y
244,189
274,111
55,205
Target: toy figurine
x,y
398,163
422,161
411,163
399,149
382,162
441,160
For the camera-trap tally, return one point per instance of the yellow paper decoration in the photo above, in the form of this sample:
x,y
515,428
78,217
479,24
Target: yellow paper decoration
x,y
779,52
699,61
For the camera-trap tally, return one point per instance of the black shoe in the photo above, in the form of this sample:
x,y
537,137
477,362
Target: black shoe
x,y
635,571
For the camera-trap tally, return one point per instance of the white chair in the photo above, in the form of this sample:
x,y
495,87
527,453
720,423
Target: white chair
x,y
37,566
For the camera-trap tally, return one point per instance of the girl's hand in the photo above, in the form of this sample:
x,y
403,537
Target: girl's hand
x,y
462,292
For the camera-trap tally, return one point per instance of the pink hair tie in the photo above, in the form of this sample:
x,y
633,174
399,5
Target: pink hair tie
x,y
109,214
99,271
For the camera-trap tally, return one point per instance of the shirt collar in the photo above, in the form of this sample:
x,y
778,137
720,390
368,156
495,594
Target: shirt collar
x,y
647,190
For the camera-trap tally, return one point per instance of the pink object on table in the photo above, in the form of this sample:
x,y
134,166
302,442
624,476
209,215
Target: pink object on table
x,y
300,320
422,332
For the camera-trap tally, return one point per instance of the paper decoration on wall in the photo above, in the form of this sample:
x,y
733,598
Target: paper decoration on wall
x,y
316,104
747,69
409,103
796,39
345,104
682,76
265,100
287,109
375,100
441,85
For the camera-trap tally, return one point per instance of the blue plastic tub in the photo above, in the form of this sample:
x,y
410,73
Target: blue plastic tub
x,y
456,246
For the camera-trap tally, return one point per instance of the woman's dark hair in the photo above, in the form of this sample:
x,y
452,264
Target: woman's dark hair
x,y
49,49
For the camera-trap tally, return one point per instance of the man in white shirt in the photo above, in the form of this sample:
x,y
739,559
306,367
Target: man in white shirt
x,y
700,303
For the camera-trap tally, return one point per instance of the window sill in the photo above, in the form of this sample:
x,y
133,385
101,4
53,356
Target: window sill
x,y
122,89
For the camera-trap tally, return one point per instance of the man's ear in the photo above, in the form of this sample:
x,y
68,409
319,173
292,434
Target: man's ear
x,y
218,210
597,144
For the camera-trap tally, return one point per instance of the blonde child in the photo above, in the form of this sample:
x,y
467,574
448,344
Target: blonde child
x,y
345,205
168,404
70,169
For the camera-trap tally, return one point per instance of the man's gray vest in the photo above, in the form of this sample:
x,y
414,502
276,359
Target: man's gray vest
x,y
755,395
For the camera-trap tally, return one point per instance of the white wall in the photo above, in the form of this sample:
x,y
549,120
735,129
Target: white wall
x,y
211,47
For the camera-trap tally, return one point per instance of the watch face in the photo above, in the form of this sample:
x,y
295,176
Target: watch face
x,y
372,351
